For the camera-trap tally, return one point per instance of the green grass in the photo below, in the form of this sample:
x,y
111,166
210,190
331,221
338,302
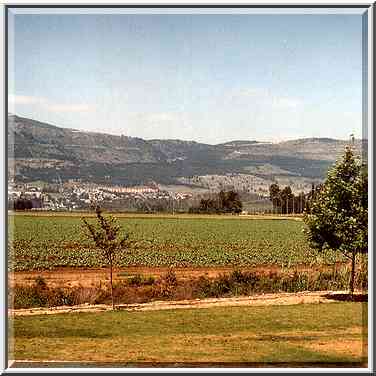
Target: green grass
x,y
310,333
43,242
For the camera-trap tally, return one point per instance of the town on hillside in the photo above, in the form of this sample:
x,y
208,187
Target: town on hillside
x,y
75,195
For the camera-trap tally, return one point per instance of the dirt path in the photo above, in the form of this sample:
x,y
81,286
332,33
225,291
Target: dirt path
x,y
255,300
87,277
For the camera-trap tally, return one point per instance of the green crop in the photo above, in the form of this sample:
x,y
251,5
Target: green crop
x,y
37,242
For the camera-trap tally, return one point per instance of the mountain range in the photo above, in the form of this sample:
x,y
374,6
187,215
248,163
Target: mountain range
x,y
41,151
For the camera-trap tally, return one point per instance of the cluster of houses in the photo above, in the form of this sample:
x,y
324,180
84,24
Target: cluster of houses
x,y
80,196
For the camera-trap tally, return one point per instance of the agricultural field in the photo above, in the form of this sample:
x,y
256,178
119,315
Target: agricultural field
x,y
298,334
38,242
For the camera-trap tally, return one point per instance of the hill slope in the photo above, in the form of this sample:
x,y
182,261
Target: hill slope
x,y
42,151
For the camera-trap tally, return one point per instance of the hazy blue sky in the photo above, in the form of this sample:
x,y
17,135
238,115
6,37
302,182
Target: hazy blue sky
x,y
209,78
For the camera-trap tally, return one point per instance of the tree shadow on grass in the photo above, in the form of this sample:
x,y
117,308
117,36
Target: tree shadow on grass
x,y
347,297
61,333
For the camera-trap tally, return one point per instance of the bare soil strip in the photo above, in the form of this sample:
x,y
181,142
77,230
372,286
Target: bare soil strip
x,y
87,277
255,300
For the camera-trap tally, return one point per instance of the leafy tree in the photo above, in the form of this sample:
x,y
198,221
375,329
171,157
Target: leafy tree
x,y
338,216
105,234
209,205
223,202
274,191
230,202
23,204
275,195
287,200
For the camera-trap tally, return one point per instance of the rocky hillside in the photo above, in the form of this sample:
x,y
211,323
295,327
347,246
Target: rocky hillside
x,y
41,151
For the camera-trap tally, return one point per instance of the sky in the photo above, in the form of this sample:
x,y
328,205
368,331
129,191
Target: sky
x,y
210,78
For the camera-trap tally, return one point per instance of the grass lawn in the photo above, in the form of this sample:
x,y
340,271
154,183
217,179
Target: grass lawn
x,y
306,335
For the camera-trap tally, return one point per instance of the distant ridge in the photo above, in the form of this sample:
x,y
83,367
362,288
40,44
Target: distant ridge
x,y
94,156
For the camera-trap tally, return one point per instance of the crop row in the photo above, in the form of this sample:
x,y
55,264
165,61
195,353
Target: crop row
x,y
48,242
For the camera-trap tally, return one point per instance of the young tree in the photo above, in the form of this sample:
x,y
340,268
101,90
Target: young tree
x,y
338,212
105,234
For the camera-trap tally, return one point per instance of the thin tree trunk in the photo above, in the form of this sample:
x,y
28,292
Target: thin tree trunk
x,y
112,286
352,280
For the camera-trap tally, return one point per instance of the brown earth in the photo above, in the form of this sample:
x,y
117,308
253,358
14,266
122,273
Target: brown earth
x,y
87,277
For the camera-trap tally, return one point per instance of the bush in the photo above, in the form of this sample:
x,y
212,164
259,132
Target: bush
x,y
165,286
41,295
203,287
170,278
149,281
362,279
139,289
40,282
222,286
136,280
26,297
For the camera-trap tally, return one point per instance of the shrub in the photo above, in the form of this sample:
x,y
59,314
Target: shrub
x,y
136,280
362,279
149,281
139,289
40,282
166,285
27,296
222,286
170,278
203,287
